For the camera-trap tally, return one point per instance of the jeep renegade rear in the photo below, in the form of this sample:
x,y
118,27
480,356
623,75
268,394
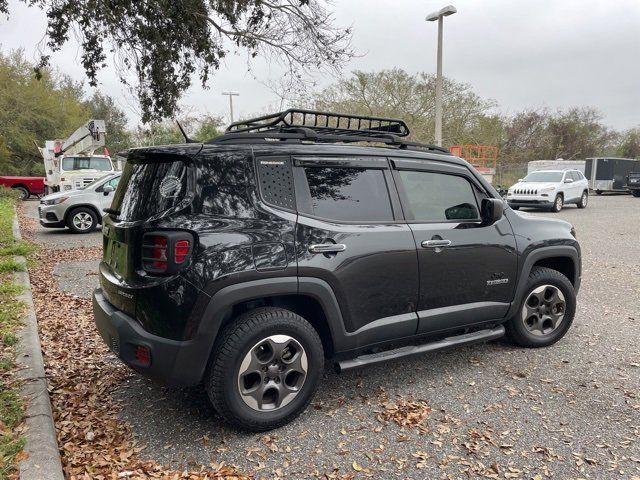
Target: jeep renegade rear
x,y
245,262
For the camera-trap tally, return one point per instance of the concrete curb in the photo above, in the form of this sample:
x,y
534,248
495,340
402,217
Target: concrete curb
x,y
43,461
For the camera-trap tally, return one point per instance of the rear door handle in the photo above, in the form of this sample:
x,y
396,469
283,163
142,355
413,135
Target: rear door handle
x,y
436,243
327,248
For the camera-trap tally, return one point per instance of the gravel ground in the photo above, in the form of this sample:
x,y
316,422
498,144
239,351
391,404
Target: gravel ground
x,y
494,411
61,238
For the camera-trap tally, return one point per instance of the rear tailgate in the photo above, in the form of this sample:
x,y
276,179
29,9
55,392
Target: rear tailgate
x,y
155,183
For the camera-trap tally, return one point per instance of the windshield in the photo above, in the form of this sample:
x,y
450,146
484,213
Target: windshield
x,y
86,163
543,177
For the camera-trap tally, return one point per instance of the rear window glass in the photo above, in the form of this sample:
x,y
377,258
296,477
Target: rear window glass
x,y
349,194
147,189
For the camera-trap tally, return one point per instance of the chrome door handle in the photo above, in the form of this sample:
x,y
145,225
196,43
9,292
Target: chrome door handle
x,y
327,248
436,243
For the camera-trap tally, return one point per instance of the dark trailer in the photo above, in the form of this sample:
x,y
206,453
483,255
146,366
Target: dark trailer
x,y
609,174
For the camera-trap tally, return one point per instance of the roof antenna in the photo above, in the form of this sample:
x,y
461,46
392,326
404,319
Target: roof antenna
x,y
184,134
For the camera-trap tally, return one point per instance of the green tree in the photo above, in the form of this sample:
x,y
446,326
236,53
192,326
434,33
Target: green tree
x,y
33,111
395,93
166,132
629,146
166,44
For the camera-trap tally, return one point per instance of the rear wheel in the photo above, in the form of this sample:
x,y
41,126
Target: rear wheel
x,y
23,192
598,192
82,220
265,369
515,208
583,200
546,312
635,193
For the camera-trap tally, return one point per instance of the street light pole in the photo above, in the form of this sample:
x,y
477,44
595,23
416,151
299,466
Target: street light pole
x,y
231,95
439,16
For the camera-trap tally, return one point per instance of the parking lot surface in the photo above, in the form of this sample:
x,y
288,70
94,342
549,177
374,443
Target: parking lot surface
x,y
60,238
485,411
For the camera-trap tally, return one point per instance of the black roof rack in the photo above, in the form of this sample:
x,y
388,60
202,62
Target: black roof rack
x,y
323,122
322,127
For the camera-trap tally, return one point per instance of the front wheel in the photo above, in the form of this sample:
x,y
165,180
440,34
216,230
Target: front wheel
x,y
558,204
546,312
635,193
82,220
265,369
583,200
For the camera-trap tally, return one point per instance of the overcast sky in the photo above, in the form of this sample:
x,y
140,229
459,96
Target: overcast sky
x,y
521,53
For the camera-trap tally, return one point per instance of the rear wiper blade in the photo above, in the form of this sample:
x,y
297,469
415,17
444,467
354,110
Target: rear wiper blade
x,y
111,211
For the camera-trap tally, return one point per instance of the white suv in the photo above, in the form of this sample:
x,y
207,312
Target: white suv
x,y
550,189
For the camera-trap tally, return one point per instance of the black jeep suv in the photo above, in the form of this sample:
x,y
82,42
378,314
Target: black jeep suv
x,y
244,262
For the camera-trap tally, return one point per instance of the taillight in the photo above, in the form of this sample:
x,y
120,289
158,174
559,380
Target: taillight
x,y
157,248
165,252
181,250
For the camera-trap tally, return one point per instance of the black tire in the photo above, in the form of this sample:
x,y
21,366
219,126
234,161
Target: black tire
x,y
515,208
584,199
598,192
516,327
235,344
82,220
24,193
558,203
635,193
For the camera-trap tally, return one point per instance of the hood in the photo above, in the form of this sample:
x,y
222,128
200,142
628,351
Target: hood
x,y
67,194
532,185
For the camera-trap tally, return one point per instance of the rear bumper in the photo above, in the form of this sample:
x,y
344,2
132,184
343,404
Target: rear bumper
x,y
174,363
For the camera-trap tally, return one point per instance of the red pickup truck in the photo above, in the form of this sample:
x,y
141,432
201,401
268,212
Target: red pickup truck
x,y
27,186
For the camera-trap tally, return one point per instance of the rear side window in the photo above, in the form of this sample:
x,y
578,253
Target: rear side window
x,y
438,197
348,194
148,189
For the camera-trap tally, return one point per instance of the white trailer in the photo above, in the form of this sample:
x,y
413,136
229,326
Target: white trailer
x,y
71,164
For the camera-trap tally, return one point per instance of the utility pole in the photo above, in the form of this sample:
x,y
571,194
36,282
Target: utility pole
x,y
231,95
439,16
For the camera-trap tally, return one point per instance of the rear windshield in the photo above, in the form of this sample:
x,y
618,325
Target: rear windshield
x,y
86,163
147,189
542,176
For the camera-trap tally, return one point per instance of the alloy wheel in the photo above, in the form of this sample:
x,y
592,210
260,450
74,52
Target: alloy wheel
x,y
272,373
543,310
558,204
82,221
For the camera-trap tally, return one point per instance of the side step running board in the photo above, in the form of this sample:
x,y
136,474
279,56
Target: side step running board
x,y
465,339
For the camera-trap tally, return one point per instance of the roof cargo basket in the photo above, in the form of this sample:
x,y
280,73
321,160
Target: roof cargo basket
x,y
323,123
296,125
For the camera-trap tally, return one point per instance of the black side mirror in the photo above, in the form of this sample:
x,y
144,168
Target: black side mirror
x,y
492,210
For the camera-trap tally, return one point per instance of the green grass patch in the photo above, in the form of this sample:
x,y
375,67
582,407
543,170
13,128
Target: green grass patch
x,y
10,265
11,310
20,248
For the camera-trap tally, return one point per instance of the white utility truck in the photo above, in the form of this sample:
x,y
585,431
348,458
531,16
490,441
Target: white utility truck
x,y
71,164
